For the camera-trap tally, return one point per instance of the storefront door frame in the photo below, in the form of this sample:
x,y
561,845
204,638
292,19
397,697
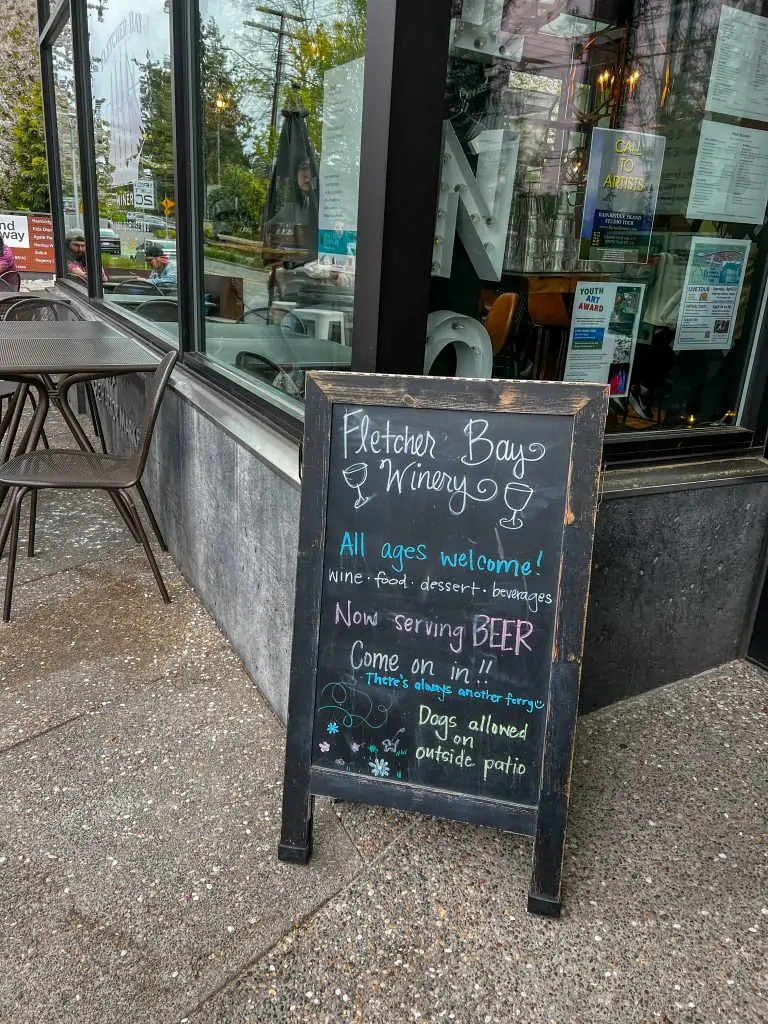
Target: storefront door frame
x,y
406,60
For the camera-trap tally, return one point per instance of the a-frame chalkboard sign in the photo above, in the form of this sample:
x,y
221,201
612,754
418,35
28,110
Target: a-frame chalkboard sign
x,y
444,559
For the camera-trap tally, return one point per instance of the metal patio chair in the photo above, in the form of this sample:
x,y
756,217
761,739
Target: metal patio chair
x,y
10,281
74,469
262,368
53,309
161,311
137,286
263,317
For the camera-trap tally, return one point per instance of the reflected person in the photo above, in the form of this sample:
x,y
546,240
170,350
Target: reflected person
x,y
163,268
77,263
294,226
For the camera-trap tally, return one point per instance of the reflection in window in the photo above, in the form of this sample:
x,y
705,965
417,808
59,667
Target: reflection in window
x,y
132,99
281,107
605,178
69,155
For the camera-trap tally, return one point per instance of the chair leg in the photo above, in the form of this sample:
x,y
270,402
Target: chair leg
x,y
120,505
5,420
151,517
18,497
146,545
32,524
13,415
95,418
33,402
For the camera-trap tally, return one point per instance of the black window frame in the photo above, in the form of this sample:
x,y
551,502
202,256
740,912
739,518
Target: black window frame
x,y
407,47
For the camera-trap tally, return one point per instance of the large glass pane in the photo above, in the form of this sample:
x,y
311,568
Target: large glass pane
x,y
605,178
281,121
69,156
133,128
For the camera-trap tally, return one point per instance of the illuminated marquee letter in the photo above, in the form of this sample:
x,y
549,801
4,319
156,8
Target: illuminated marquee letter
x,y
478,207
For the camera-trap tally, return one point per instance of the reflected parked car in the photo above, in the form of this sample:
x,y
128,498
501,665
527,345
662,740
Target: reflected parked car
x,y
110,241
168,245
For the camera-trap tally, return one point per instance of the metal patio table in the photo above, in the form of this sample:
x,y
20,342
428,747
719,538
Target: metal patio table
x,y
51,357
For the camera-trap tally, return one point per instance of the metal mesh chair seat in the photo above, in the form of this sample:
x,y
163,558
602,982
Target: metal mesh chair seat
x,y
69,468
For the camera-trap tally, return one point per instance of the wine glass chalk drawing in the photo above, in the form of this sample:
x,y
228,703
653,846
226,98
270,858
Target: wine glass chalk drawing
x,y
355,476
516,497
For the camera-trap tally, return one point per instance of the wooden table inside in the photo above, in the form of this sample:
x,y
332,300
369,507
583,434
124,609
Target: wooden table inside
x,y
547,283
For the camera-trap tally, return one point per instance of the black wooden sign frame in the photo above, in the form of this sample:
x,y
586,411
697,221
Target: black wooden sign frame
x,y
586,405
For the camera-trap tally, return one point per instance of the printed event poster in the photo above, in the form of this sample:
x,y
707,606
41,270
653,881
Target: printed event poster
x,y
738,84
710,297
340,165
604,326
620,199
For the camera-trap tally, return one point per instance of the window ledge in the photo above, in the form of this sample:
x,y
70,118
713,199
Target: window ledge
x,y
277,451
621,482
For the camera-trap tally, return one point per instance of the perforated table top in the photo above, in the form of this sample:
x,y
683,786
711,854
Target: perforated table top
x,y
63,347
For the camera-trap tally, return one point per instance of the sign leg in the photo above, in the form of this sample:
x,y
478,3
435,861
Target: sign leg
x,y
298,805
544,895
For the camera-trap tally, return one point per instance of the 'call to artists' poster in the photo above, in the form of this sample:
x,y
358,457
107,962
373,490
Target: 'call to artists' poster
x,y
621,194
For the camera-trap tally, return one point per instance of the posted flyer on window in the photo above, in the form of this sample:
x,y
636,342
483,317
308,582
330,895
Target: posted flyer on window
x,y
621,194
738,84
340,165
730,179
709,302
604,326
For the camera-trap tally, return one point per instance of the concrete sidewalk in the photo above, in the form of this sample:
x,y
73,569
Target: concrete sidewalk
x,y
140,778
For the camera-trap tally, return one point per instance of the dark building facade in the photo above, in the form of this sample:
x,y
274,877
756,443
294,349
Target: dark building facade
x,y
493,188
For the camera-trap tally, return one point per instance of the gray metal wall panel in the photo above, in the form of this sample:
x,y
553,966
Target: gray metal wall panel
x,y
672,579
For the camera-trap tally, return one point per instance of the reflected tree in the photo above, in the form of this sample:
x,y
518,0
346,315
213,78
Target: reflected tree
x,y
28,187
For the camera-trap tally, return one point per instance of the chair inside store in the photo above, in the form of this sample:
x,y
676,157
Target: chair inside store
x,y
262,368
137,286
275,315
159,310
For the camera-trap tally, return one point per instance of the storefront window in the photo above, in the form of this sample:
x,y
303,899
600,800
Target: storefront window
x,y
69,155
133,132
281,107
604,187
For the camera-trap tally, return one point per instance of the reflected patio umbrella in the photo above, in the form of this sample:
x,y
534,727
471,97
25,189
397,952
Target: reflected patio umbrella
x,y
290,229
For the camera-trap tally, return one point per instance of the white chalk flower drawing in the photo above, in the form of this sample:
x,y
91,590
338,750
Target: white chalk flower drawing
x,y
325,747
379,766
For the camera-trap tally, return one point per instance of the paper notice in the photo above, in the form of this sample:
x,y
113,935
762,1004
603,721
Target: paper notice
x,y
604,326
738,84
730,180
340,165
710,298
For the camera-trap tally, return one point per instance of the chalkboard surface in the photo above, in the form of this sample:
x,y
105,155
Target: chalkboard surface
x,y
442,555
434,555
